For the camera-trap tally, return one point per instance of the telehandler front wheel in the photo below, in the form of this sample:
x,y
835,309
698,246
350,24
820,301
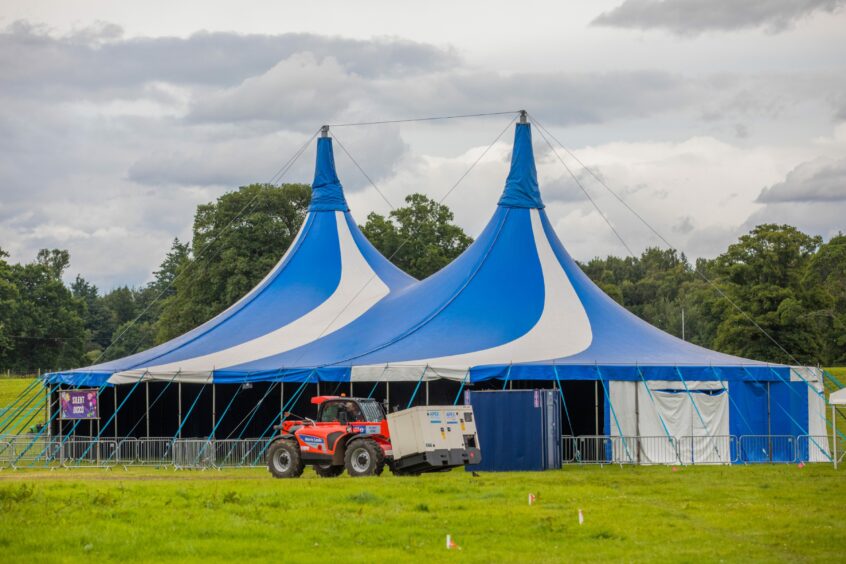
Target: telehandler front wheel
x,y
284,460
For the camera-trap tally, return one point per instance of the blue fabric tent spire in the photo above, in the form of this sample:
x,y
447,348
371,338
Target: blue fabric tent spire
x,y
327,194
521,186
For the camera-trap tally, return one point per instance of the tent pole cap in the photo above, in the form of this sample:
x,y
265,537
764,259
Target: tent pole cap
x,y
524,116
324,131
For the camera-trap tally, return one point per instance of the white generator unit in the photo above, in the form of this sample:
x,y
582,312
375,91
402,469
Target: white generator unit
x,y
429,438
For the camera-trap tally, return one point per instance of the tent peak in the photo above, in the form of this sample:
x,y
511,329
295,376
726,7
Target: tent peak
x,y
521,186
327,194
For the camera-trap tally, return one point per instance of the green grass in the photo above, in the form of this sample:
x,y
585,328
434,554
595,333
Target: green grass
x,y
839,373
745,513
10,389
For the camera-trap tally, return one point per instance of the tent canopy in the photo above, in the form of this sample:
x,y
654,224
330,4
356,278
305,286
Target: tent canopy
x,y
838,397
514,305
329,276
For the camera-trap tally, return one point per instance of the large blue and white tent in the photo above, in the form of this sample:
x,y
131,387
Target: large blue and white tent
x,y
329,276
513,307
516,306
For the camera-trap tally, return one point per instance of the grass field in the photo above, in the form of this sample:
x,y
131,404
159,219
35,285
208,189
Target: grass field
x,y
741,513
10,389
752,513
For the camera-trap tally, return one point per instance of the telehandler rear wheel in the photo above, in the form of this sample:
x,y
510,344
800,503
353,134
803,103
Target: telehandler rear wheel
x,y
284,460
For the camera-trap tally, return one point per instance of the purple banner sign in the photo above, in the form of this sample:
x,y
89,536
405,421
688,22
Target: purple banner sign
x,y
79,404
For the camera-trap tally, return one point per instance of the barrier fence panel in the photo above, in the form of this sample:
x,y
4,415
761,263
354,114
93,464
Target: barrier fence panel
x,y
21,451
568,452
237,453
126,452
154,452
767,448
90,452
30,451
718,449
814,448
192,453
6,454
591,449
655,450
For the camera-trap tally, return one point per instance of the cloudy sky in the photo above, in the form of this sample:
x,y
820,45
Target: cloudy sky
x,y
706,116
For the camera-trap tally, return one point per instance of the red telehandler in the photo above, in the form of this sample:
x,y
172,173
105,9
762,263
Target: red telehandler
x,y
353,434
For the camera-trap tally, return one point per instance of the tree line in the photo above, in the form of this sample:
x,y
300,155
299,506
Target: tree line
x,y
776,294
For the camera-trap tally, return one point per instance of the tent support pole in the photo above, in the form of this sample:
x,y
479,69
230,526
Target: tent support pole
x,y
834,435
352,394
48,409
417,387
769,425
637,419
116,411
179,411
47,399
281,401
388,395
596,407
427,392
61,442
214,409
147,410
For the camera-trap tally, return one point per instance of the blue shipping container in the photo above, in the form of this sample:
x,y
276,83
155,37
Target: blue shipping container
x,y
518,429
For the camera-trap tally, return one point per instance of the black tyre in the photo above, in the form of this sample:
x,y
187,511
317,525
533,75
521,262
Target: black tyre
x,y
284,460
328,470
364,457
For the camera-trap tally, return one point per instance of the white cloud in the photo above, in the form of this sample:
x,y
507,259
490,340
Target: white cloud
x,y
690,17
108,141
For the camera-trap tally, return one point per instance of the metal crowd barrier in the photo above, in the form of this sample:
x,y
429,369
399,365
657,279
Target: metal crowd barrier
x,y
21,451
718,449
85,453
768,448
6,454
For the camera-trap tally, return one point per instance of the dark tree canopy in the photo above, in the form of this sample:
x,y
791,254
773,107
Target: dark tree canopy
x,y
790,284
420,238
41,322
236,241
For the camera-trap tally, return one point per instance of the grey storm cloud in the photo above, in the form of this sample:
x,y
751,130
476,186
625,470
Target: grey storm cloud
x,y
820,180
559,98
109,142
101,59
692,17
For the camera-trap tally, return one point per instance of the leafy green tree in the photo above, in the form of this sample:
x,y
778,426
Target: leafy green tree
x,y
9,297
236,241
762,273
420,238
47,326
827,270
175,260
98,319
55,261
651,286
